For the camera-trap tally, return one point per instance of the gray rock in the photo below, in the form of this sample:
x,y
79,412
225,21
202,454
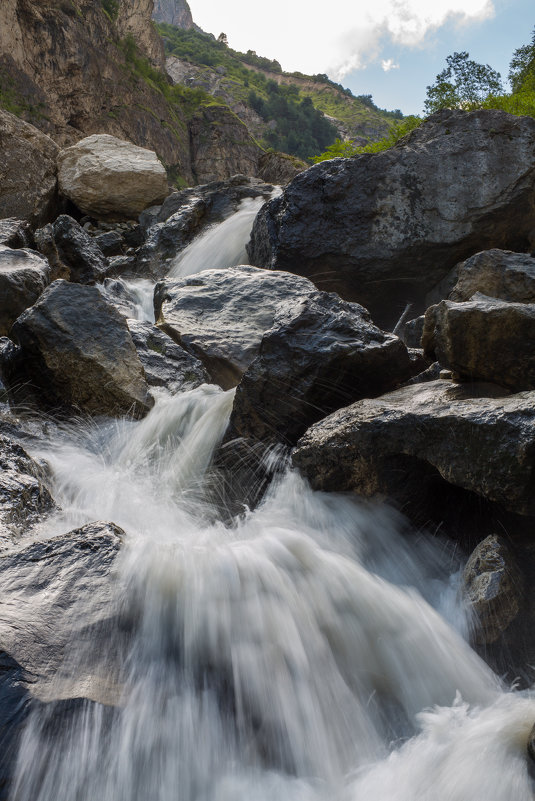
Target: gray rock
x,y
71,251
111,243
493,586
24,274
165,363
497,273
383,229
110,178
411,332
79,353
28,189
220,316
473,436
24,497
45,603
483,339
15,233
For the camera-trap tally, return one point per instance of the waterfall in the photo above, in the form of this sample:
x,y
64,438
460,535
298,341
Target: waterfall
x,y
312,651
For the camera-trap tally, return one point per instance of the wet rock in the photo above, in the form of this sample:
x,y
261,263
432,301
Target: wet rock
x,y
165,363
24,274
45,604
493,586
220,316
79,353
498,274
321,353
15,233
483,339
24,497
383,229
28,189
72,251
473,436
111,243
184,215
107,177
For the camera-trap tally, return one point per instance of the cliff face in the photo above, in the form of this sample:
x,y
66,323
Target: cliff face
x,y
174,12
62,68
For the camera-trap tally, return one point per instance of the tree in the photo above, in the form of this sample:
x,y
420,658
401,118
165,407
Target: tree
x,y
522,67
463,84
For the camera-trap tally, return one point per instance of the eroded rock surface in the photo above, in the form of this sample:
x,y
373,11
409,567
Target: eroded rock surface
x,y
24,274
383,229
497,273
477,437
78,352
484,339
71,251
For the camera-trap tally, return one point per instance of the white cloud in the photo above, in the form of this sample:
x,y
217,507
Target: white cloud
x,y
306,36
389,64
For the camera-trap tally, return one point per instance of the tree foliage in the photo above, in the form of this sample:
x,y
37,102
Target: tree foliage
x,y
522,67
463,84
347,149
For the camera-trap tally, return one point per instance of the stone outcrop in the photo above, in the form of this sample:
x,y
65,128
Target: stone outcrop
x,y
174,12
78,353
473,436
15,233
383,229
493,586
220,316
164,362
24,274
133,19
110,178
28,186
221,145
279,168
497,273
483,339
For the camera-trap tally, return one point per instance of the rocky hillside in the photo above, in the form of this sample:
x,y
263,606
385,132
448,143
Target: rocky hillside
x,y
246,81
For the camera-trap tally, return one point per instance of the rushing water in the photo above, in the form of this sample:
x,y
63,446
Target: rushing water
x,y
315,651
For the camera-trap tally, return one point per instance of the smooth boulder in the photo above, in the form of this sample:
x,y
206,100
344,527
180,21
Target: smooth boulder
x,y
220,316
483,339
78,353
474,436
24,274
383,229
107,177
497,273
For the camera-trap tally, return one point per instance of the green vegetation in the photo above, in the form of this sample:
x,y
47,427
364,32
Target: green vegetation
x,y
300,128
12,100
348,149
111,8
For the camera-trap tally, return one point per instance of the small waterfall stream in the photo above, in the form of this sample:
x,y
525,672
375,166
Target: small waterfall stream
x,y
315,651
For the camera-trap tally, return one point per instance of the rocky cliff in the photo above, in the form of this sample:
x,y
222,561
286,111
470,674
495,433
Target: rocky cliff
x,y
174,12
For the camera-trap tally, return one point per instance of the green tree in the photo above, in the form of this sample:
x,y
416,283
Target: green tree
x,y
522,67
463,84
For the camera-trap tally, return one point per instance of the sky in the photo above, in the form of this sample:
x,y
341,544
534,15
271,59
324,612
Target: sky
x,y
391,49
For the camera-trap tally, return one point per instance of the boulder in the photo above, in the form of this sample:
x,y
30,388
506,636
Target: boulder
x,y
111,243
411,332
477,437
78,352
321,353
165,363
220,316
279,168
24,274
484,339
383,229
107,177
186,214
28,189
15,233
45,604
497,273
493,586
71,251
24,497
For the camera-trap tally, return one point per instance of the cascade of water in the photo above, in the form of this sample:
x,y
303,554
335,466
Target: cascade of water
x,y
310,653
